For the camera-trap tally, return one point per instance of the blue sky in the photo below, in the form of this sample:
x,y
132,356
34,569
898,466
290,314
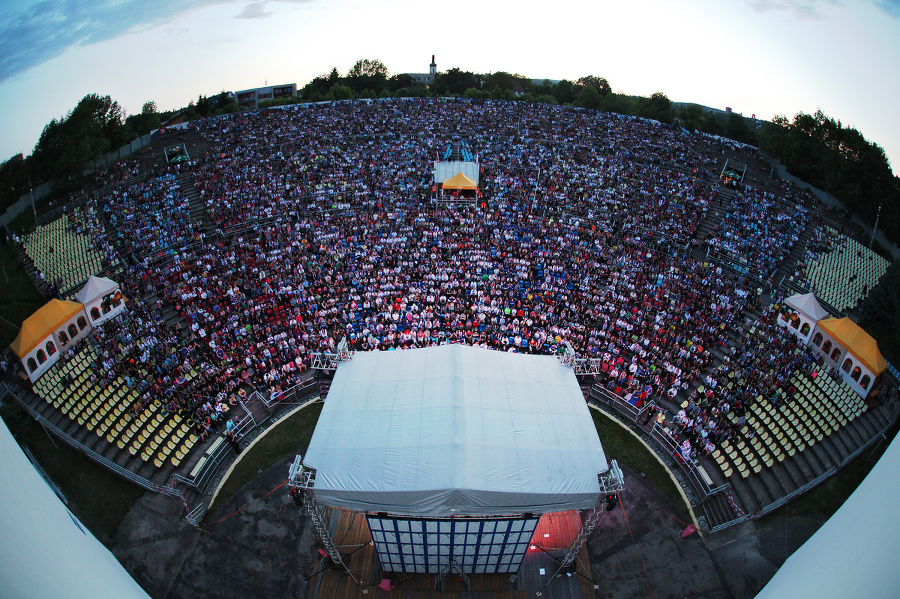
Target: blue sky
x,y
762,57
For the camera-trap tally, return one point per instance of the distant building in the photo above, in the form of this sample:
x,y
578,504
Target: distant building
x,y
426,78
250,98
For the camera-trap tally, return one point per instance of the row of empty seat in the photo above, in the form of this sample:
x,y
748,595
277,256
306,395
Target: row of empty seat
x,y
66,258
846,273
153,435
818,408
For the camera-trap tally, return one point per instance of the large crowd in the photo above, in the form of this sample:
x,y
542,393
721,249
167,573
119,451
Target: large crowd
x,y
582,236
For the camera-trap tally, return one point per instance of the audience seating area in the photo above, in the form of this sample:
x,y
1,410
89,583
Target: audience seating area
x,y
843,271
819,407
153,435
65,258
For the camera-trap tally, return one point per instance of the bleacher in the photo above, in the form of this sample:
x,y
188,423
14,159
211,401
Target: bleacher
x,y
66,258
154,436
844,274
818,409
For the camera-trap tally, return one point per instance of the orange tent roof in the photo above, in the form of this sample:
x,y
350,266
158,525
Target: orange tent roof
x,y
39,325
858,342
459,181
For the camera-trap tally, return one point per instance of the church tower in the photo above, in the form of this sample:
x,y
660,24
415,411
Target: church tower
x,y
433,68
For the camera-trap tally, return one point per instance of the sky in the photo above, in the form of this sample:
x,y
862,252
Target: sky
x,y
759,57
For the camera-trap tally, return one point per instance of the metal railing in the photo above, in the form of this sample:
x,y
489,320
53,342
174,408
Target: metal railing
x,y
90,453
207,474
814,482
297,395
665,445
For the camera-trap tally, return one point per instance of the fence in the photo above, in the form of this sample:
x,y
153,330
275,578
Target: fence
x,y
90,453
665,445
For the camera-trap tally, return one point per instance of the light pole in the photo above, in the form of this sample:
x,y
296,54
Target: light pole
x,y
31,193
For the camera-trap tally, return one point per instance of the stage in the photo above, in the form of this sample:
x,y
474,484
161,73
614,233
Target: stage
x,y
553,536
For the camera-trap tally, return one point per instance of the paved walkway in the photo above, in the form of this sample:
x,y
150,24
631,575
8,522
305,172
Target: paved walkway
x,y
266,550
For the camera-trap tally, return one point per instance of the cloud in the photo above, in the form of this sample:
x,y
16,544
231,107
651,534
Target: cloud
x,y
32,34
254,10
802,9
891,7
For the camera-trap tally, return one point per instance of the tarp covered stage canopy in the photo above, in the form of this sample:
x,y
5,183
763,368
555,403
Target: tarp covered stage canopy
x,y
455,431
808,305
42,323
459,181
856,341
94,288
445,170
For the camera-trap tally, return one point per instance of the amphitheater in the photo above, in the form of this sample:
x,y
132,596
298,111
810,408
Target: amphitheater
x,y
294,234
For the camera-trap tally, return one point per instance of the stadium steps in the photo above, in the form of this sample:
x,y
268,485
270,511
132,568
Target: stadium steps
x,y
789,264
743,494
195,202
714,216
718,510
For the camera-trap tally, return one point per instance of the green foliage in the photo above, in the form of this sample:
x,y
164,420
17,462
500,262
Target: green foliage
x,y
598,83
882,312
564,92
339,92
367,78
93,127
658,106
502,81
280,101
401,81
454,82
589,97
620,104
840,161
736,128
145,122
690,116
14,175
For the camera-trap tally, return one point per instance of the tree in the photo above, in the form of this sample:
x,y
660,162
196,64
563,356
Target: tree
x,y
589,97
149,107
564,92
13,180
368,68
315,90
93,127
339,92
367,78
598,83
454,82
400,81
690,116
658,106
736,128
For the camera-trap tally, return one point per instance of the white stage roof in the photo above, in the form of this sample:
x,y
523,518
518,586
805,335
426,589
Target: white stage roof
x,y
854,554
455,431
445,170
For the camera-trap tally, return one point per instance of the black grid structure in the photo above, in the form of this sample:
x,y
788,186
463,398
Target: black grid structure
x,y
479,546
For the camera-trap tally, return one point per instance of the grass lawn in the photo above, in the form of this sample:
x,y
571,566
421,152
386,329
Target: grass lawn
x,y
19,298
621,445
293,434
98,497
288,437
